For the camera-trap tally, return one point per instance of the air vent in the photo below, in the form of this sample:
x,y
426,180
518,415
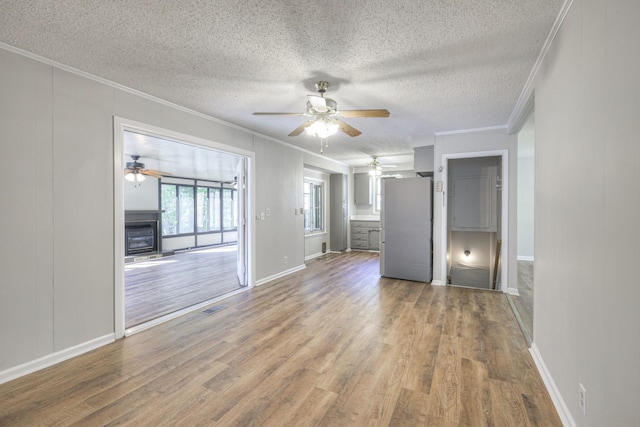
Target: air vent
x,y
214,309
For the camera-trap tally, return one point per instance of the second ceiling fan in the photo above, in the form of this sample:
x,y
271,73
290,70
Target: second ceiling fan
x,y
327,117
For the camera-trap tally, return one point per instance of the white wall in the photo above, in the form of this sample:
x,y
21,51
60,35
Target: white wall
x,y
587,298
57,246
470,142
141,196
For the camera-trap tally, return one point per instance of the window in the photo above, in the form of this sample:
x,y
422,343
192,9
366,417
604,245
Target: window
x,y
229,214
177,202
208,207
377,188
189,209
313,207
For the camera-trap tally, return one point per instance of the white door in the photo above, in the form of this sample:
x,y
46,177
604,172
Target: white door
x,y
242,222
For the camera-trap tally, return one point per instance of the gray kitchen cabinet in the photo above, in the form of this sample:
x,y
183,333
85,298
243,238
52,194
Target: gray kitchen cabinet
x,y
365,235
338,211
362,188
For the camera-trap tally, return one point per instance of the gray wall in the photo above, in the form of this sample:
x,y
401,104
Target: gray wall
x,y
57,228
587,298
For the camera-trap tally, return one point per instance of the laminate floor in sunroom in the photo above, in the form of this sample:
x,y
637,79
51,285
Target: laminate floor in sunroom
x,y
161,286
331,345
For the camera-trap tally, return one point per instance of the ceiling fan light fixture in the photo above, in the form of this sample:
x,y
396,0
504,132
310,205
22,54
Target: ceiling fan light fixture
x,y
322,128
134,177
375,172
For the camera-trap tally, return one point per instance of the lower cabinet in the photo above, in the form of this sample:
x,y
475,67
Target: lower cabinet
x,y
365,235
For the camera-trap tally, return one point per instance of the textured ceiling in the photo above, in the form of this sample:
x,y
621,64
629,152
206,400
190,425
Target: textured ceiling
x,y
437,66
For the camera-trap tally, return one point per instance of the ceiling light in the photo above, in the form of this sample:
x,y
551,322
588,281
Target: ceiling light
x,y
134,177
322,128
375,172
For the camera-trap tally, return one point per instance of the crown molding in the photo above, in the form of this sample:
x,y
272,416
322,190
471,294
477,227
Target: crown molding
x,y
525,104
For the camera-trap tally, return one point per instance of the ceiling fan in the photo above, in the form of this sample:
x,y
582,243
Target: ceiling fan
x,y
135,171
327,120
375,167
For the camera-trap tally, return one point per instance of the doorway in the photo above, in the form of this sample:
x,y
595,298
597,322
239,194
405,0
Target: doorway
x,y
522,300
197,193
475,219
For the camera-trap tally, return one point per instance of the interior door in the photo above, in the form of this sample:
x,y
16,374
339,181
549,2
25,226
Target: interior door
x,y
241,258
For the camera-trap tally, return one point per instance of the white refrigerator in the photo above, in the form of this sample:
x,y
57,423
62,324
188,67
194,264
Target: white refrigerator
x,y
406,228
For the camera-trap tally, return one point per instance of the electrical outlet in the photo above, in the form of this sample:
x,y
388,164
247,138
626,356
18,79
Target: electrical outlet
x,y
583,399
286,260
261,216
268,212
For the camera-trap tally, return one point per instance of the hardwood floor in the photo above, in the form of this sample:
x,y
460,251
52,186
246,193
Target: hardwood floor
x,y
331,345
158,287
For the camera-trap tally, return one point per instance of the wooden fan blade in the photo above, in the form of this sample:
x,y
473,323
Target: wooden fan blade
x,y
297,131
157,172
348,129
364,113
279,114
150,173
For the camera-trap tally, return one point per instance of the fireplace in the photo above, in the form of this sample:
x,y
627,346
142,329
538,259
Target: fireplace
x,y
140,238
142,233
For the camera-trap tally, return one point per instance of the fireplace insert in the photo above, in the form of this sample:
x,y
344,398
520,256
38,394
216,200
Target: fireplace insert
x,y
140,238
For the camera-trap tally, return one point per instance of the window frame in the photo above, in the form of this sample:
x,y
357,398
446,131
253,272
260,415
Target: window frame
x,y
319,187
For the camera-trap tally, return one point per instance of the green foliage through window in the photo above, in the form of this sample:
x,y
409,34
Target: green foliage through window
x,y
188,209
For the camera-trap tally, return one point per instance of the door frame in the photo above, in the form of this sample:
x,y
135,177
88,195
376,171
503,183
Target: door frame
x,y
504,217
120,125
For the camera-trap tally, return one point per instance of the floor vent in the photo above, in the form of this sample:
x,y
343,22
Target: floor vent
x,y
214,309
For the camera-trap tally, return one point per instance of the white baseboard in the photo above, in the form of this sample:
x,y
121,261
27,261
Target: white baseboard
x,y
513,291
310,257
53,358
279,275
437,283
525,258
556,397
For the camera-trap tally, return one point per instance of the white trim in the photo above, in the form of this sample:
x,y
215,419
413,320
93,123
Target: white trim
x,y
524,104
513,291
127,89
437,283
525,258
119,126
556,397
473,130
504,154
175,314
54,358
310,257
279,275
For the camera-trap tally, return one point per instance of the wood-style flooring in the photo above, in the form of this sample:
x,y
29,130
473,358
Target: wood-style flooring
x,y
158,287
331,345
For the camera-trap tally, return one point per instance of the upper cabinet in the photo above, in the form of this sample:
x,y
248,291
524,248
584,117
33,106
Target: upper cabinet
x,y
362,188
473,203
473,194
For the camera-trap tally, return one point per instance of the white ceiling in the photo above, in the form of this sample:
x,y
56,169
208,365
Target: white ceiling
x,y
437,66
